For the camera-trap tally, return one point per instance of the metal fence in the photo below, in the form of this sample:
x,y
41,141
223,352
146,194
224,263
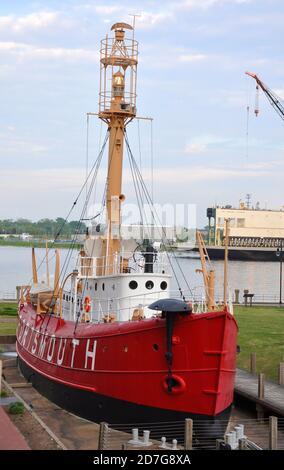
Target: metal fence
x,y
249,434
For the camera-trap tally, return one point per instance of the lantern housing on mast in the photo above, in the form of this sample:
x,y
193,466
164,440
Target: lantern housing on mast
x,y
118,72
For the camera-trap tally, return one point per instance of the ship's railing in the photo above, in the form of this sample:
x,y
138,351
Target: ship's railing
x,y
119,308
254,242
118,263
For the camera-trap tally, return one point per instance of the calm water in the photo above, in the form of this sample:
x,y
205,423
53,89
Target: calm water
x,y
261,278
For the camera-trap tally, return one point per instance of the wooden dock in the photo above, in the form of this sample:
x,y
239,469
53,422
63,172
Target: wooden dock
x,y
248,386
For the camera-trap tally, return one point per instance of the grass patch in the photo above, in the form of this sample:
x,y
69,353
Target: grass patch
x,y
261,330
8,328
38,244
17,408
8,309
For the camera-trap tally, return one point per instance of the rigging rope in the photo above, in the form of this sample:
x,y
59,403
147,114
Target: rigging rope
x,y
154,214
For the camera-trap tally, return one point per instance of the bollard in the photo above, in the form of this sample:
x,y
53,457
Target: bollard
x,y
273,432
146,442
261,378
281,373
174,447
231,440
163,443
253,363
239,431
135,437
1,367
188,430
242,443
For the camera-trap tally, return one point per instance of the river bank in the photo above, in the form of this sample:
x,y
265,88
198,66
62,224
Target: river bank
x,y
39,244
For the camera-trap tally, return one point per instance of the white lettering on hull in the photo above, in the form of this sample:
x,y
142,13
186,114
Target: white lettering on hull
x,y
24,337
35,343
51,347
42,346
61,351
91,354
75,343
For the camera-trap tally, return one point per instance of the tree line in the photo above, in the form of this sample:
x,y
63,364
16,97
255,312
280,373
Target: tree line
x,y
42,228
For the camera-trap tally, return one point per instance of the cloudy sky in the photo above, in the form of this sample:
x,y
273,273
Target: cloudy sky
x,y
193,55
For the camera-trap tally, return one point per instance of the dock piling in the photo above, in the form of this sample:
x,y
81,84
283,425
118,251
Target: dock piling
x,y
261,378
273,432
188,430
281,373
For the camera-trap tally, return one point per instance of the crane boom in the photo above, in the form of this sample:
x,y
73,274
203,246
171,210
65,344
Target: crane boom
x,y
273,99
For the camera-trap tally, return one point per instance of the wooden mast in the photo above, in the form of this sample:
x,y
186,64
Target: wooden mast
x,y
34,268
208,276
117,109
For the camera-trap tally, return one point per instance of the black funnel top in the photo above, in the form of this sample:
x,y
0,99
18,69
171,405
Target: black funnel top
x,y
171,305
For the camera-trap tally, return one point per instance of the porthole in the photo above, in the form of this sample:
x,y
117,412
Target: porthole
x,y
133,285
163,285
125,349
149,285
103,286
155,347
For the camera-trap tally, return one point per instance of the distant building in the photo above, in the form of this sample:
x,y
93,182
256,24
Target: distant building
x,y
245,223
25,236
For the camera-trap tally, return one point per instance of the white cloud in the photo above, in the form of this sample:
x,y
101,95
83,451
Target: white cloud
x,y
105,10
33,22
279,92
71,179
13,145
192,57
205,4
28,52
204,143
148,19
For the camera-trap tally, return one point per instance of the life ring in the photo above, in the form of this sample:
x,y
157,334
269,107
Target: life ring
x,y
87,307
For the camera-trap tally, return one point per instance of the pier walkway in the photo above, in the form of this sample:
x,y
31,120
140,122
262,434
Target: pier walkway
x,y
246,386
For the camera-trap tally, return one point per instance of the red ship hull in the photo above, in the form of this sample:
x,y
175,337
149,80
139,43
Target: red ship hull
x,y
118,372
